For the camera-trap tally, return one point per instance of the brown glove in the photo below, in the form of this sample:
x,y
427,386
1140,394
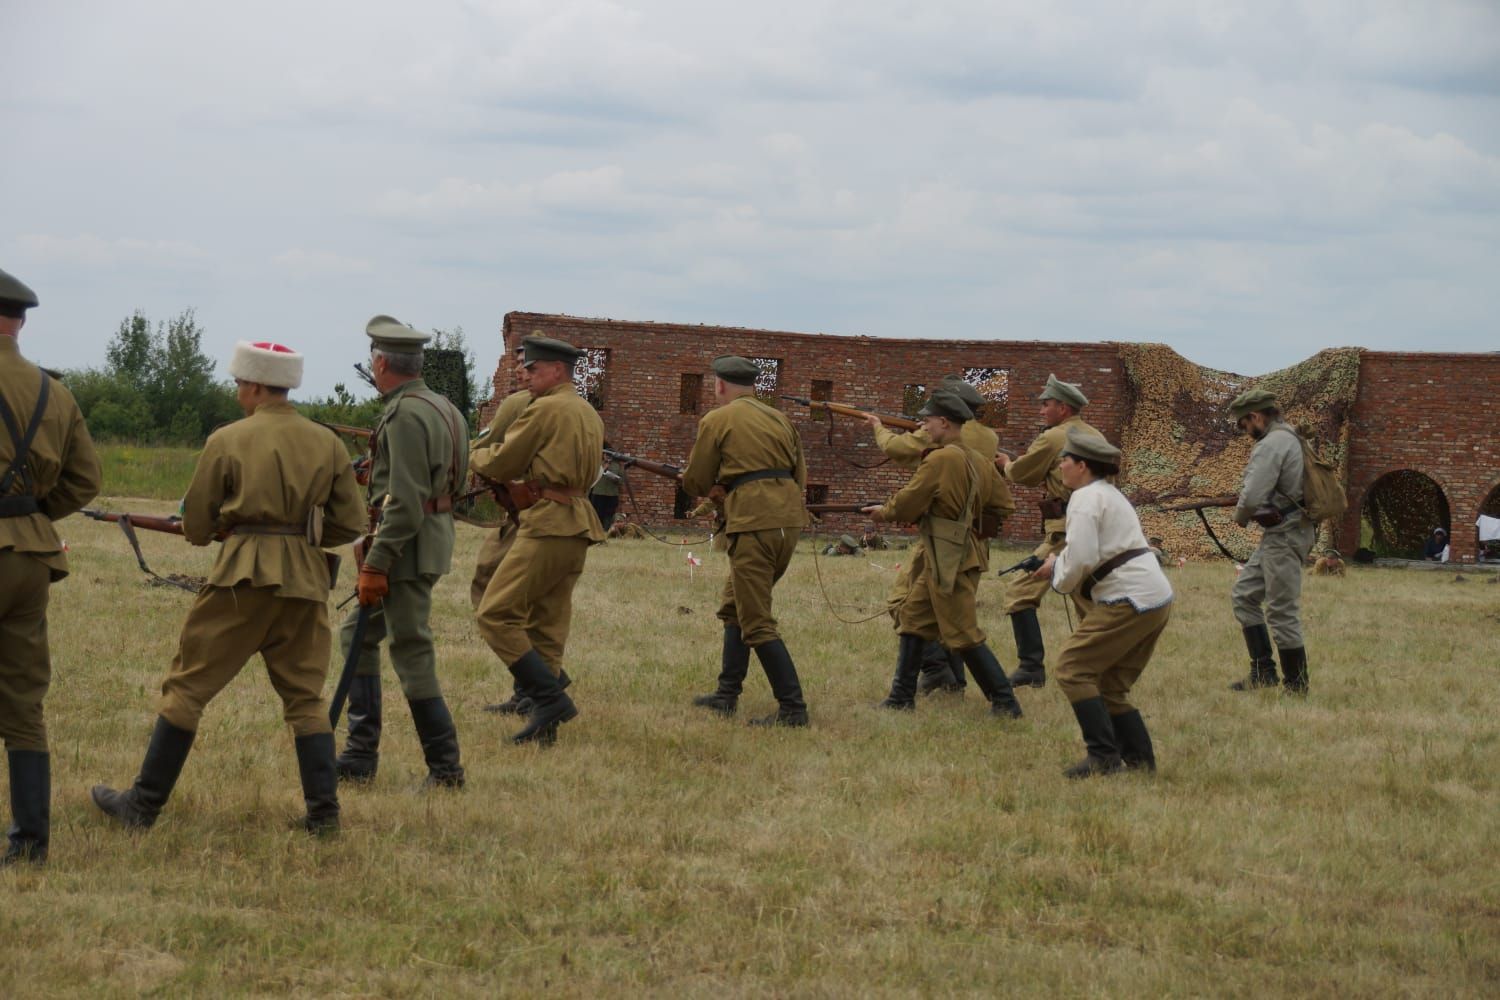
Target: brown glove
x,y
373,585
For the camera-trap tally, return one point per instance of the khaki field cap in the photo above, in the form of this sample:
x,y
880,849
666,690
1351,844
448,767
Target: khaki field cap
x,y
548,349
1064,392
736,370
1083,444
1252,401
394,337
946,403
848,541
15,297
957,385
267,363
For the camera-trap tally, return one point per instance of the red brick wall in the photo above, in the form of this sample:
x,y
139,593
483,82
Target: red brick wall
x,y
647,360
1434,413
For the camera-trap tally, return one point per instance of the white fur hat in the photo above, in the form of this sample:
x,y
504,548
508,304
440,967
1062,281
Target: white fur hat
x,y
267,363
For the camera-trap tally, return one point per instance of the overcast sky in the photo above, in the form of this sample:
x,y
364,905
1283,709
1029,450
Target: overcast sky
x,y
1247,182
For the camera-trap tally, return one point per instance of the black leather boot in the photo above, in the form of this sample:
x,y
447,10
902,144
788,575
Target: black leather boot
x,y
516,704
1294,668
320,785
734,663
439,739
909,652
30,806
937,670
992,681
1136,752
791,710
1030,650
361,754
138,806
1262,666
552,705
1098,737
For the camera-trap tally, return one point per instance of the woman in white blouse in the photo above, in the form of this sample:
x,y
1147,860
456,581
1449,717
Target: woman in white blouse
x,y
1107,561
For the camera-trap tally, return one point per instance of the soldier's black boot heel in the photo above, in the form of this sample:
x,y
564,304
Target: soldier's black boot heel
x,y
1262,666
937,670
439,738
909,651
1030,650
320,785
1294,667
30,807
552,706
992,681
1099,737
361,754
791,710
1136,752
734,664
138,806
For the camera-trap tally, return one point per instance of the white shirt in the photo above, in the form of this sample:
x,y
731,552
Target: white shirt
x,y
1101,525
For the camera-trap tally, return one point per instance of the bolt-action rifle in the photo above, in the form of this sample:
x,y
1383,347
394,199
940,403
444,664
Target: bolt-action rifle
x,y
644,464
1028,565
854,507
150,522
1228,500
888,419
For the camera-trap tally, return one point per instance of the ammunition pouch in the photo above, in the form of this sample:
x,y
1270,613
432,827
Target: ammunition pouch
x,y
1053,508
946,542
989,525
1269,515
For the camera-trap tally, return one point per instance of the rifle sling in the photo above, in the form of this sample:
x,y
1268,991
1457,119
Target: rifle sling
x,y
25,504
129,531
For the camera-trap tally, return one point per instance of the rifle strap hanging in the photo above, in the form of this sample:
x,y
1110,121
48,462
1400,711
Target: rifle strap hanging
x,y
129,531
25,503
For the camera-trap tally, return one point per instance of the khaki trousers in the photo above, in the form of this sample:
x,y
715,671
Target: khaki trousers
x,y
1272,577
491,551
25,666
529,602
228,625
933,615
1107,652
402,617
757,559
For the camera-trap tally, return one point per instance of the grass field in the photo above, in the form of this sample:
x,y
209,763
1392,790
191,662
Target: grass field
x,y
1341,846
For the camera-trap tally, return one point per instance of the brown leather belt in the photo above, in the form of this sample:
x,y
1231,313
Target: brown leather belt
x,y
438,505
562,494
1107,567
267,528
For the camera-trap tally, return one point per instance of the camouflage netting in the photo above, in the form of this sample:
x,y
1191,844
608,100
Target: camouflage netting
x,y
1180,445
1400,511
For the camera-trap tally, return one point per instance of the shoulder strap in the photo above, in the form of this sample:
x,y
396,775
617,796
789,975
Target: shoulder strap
x,y
18,466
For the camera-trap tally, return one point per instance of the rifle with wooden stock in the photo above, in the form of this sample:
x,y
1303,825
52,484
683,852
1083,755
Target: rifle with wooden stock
x,y
888,419
1227,500
853,507
644,464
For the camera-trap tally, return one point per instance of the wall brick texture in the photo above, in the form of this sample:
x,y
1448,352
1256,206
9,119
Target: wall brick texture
x,y
1428,412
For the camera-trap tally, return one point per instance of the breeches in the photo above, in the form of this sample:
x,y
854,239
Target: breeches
x,y
757,559
933,615
491,551
1107,652
529,603
1273,577
228,625
25,667
401,618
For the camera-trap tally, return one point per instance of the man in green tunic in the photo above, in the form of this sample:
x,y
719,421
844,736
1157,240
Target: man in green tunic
x,y
418,464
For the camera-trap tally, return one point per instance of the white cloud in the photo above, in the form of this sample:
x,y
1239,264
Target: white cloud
x,y
89,250
305,264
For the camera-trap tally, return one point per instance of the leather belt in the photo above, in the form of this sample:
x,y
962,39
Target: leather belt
x,y
267,528
18,506
1107,567
750,477
562,494
438,505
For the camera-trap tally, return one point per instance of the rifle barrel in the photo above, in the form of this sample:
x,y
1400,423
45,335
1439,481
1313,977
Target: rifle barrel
x,y
845,410
1201,504
150,522
854,507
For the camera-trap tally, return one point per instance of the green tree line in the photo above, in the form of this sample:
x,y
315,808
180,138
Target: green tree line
x,y
157,386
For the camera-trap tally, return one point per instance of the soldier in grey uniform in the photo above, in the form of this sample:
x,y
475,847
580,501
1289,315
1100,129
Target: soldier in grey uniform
x,y
1267,596
419,461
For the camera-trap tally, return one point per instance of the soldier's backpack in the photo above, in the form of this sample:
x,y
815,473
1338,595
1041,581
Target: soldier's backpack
x,y
1323,496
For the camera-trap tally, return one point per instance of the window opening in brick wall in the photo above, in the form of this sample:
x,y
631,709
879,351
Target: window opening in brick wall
x,y
690,398
681,505
994,385
768,379
817,493
912,398
589,375
821,392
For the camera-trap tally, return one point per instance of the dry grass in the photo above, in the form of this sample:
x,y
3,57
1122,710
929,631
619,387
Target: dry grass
x,y
1339,846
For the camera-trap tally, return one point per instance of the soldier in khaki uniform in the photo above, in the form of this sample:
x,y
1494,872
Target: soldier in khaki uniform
x,y
418,464
750,450
555,446
946,496
1108,558
48,470
1061,403
1267,595
274,487
942,669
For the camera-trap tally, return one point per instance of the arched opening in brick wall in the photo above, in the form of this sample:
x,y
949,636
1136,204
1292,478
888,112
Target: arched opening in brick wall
x,y
1489,549
1399,512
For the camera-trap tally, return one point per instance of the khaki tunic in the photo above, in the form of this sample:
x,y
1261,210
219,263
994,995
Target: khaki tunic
x,y
495,544
65,476
763,519
266,593
941,487
1268,590
906,450
1039,468
559,440
418,453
